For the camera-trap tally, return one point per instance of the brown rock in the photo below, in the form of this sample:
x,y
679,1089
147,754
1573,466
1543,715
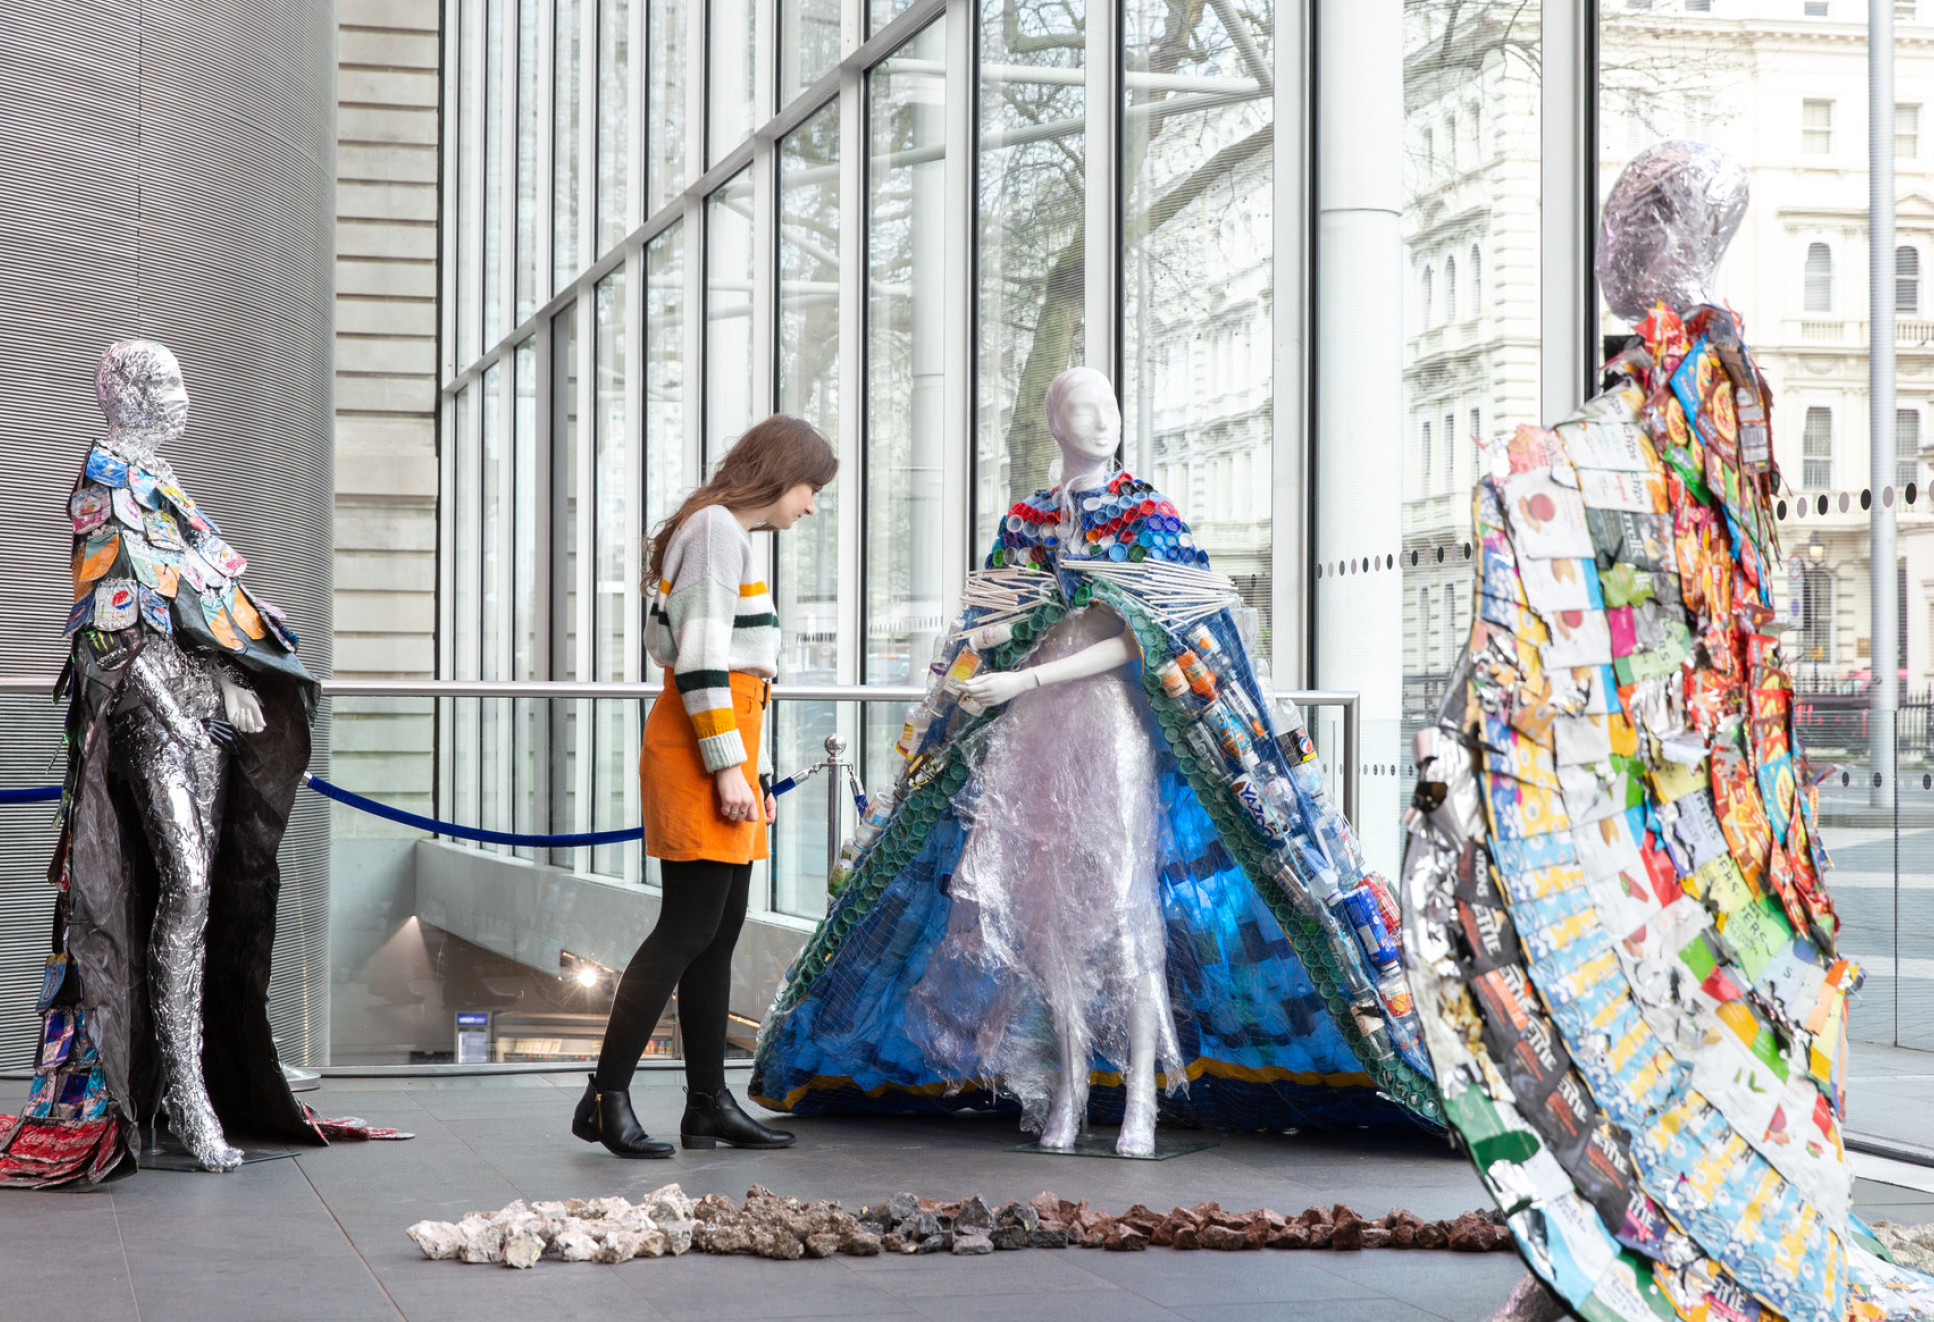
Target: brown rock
x,y
1070,1212
1292,1236
861,1244
1186,1237
1347,1234
1375,1237
895,1242
1224,1238
775,1242
823,1245
1432,1235
1142,1217
1098,1231
1124,1239
1048,1205
1164,1232
1403,1235
1471,1233
1227,1220
1181,1214
1314,1216
715,1207
1269,1217
1257,1232
1501,1241
1319,1235
1085,1218
1201,1211
1341,1212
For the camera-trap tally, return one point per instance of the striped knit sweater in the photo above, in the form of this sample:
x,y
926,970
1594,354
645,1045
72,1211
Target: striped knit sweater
x,y
711,615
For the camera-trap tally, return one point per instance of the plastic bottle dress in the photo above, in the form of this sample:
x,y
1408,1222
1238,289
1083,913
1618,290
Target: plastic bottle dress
x,y
967,917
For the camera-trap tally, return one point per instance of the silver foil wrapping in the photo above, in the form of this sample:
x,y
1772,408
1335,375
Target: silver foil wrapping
x,y
1665,226
1056,897
162,749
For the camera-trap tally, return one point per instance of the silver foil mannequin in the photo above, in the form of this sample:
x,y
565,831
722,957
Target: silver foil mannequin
x,y
188,731
1665,226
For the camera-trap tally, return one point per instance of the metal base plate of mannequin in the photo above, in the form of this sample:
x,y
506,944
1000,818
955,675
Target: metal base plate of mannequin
x,y
162,1151
1092,1144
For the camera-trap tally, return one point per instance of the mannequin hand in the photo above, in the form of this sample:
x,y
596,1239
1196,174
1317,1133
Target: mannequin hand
x,y
771,807
993,690
242,707
737,803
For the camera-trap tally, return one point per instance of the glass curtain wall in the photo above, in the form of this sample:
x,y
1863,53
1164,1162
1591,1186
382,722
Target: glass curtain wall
x,y
904,254
1471,349
806,584
1031,242
1197,279
906,314
1797,274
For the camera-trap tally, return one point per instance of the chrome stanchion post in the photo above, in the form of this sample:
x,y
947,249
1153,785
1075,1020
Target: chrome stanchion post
x,y
835,761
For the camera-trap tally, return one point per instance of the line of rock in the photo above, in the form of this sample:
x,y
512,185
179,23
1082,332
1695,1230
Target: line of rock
x,y
767,1225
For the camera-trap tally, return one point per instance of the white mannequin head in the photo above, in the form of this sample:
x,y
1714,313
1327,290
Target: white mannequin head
x,y
1084,420
141,392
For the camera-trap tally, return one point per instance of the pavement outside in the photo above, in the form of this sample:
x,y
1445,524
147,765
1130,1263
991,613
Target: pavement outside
x,y
320,1236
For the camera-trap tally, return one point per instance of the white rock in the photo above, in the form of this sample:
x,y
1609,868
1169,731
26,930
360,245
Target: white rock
x,y
668,1204
486,1244
522,1250
678,1236
551,1209
576,1246
503,1216
620,1246
653,1244
610,1208
439,1240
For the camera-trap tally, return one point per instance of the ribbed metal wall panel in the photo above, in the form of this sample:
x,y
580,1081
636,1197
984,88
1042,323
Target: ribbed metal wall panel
x,y
167,169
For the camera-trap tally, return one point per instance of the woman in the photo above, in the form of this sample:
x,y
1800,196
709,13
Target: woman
x,y
711,625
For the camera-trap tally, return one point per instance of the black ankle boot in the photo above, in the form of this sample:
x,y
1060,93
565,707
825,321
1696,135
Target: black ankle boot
x,y
714,1118
606,1117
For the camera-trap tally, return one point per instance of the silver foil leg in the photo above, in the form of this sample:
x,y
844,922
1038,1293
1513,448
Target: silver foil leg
x,y
178,785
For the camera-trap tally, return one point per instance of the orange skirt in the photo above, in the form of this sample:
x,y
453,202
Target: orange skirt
x,y
681,805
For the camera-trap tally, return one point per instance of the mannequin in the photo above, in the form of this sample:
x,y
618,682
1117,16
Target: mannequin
x,y
1107,847
188,733
1692,853
1085,422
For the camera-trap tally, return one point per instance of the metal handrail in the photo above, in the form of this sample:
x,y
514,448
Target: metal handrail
x,y
35,686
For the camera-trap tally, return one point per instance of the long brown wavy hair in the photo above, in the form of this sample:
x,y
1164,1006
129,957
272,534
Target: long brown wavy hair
x,y
769,460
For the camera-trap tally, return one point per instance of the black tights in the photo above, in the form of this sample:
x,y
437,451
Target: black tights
x,y
691,949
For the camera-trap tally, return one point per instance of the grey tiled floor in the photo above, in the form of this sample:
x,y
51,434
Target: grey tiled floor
x,y
321,1236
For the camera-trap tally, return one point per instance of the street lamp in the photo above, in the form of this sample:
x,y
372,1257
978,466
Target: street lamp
x,y
1814,550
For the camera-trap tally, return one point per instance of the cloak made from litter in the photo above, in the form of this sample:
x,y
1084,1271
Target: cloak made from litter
x,y
1616,917
1256,972
149,564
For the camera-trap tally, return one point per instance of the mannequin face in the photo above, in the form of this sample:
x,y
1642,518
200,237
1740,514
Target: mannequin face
x,y
1088,425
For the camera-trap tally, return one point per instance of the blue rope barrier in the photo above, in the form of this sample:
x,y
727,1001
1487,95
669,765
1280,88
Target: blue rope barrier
x,y
51,794
477,833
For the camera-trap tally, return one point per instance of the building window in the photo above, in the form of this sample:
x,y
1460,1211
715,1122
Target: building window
x,y
1907,445
1423,467
1427,297
1452,642
1819,278
1430,151
1477,426
1450,143
1816,125
1450,289
1903,11
1477,280
1816,449
1907,279
1816,8
1698,6
1907,132
1450,447
1816,615
1426,639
